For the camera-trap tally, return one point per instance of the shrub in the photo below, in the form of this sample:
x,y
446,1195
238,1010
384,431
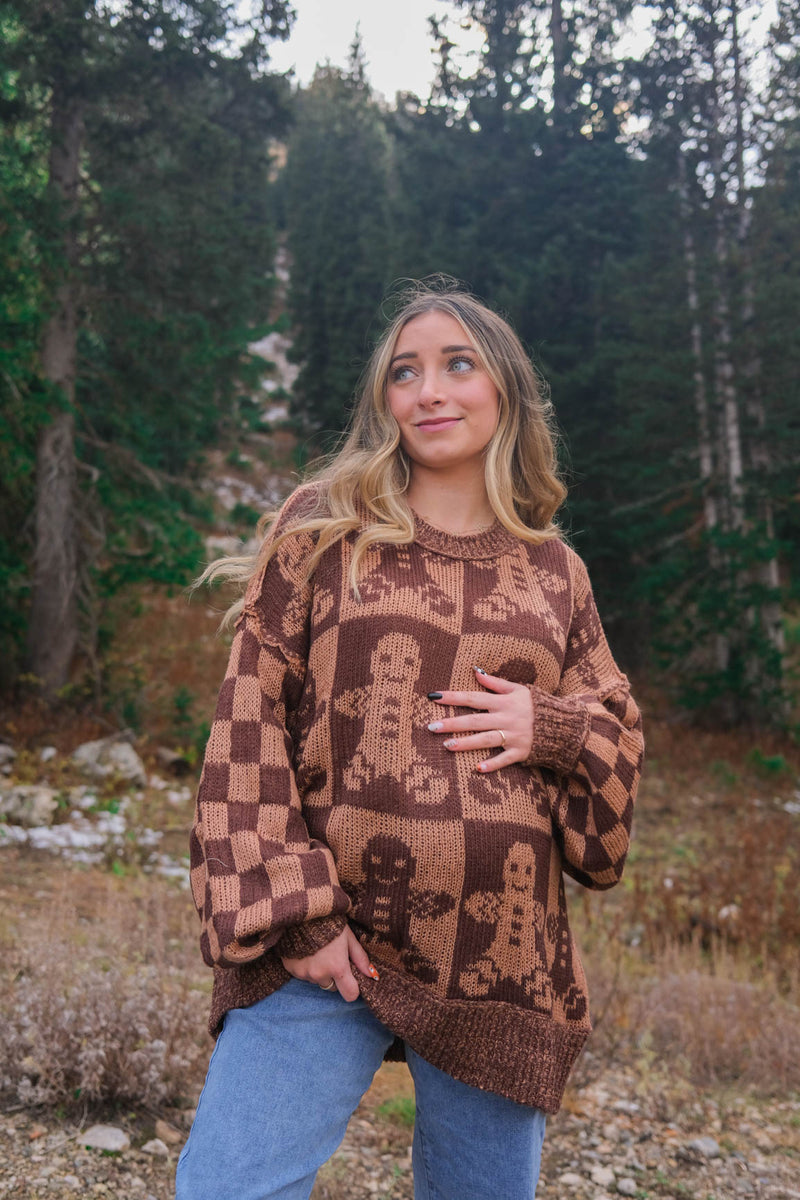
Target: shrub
x,y
105,1002
81,1033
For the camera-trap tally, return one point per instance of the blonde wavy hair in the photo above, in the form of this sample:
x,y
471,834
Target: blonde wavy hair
x,y
363,484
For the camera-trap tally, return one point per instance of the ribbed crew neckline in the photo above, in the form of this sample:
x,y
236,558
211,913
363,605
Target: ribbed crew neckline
x,y
488,543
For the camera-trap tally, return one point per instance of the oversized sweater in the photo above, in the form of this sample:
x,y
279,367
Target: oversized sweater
x,y
324,798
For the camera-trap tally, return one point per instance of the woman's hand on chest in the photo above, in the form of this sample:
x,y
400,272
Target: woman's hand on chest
x,y
502,720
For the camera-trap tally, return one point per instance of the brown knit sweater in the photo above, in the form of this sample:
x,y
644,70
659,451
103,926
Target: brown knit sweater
x,y
325,799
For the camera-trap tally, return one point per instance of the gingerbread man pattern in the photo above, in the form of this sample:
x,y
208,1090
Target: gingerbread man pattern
x,y
517,953
389,898
391,710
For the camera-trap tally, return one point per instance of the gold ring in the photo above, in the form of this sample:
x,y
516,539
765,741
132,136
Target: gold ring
x,y
328,987
503,736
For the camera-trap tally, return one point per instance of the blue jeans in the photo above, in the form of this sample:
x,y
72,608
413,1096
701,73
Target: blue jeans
x,y
287,1073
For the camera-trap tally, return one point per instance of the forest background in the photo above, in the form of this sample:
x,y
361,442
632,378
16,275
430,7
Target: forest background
x,y
637,218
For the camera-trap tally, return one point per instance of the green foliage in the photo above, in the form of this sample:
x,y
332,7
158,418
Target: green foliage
x,y
190,734
335,195
244,514
768,764
398,1110
23,401
173,273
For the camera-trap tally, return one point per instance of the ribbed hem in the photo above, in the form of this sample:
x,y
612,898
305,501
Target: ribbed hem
x,y
298,941
239,987
559,732
488,1044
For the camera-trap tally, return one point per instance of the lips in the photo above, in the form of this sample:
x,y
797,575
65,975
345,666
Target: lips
x,y
440,423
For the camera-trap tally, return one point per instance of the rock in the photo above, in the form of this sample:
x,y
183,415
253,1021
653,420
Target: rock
x,y
157,1147
47,753
603,1176
626,1106
627,1187
570,1179
7,754
109,757
71,1181
105,1137
168,1133
178,795
28,804
177,763
706,1147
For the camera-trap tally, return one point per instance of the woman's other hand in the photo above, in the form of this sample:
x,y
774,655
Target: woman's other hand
x,y
504,721
334,964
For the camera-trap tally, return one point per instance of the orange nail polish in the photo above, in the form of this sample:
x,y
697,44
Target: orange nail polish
x,y
373,972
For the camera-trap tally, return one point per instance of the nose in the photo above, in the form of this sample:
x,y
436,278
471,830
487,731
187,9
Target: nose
x,y
430,391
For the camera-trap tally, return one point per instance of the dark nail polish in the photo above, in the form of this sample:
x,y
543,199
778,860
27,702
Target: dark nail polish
x,y
480,670
434,695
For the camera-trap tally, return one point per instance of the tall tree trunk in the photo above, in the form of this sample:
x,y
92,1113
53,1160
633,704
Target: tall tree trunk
x,y
704,435
724,371
766,572
53,629
558,40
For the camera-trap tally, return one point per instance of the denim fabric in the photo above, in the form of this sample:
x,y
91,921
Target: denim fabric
x,y
287,1073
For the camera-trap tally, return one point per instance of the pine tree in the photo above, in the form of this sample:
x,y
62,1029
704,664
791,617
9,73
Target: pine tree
x,y
692,90
147,290
336,197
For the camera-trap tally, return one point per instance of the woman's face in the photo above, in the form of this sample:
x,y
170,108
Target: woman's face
x,y
440,394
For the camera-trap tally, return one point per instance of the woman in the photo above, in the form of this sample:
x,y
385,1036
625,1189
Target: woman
x,y
420,727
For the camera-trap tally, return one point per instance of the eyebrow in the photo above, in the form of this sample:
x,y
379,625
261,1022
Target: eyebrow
x,y
445,350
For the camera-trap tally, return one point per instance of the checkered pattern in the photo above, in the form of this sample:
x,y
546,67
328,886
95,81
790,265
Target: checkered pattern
x,y
589,736
255,871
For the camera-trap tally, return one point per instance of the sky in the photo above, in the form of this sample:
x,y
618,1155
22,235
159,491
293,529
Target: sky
x,y
395,34
398,47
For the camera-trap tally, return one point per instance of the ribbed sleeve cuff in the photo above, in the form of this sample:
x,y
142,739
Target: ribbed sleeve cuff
x,y
559,732
298,941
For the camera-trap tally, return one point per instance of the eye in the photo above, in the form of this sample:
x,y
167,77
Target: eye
x,y
460,365
400,373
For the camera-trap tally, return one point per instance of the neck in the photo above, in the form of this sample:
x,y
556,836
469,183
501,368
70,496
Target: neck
x,y
455,505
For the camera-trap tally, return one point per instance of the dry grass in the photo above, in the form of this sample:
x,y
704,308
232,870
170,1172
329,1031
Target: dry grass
x,y
709,1018
693,961
100,1000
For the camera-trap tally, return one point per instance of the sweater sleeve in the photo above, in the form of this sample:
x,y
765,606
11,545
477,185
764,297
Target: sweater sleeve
x,y
258,879
588,737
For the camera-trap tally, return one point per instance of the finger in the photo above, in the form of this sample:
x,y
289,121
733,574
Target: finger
x,y
471,724
359,957
491,740
482,700
494,682
347,984
497,761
